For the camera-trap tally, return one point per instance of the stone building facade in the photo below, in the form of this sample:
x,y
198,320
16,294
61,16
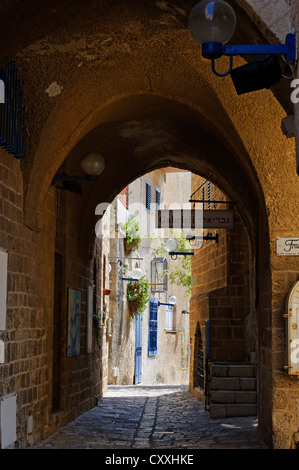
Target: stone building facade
x,y
165,365
133,86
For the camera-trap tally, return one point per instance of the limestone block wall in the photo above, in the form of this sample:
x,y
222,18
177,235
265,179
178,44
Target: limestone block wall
x,y
221,293
166,366
275,16
27,367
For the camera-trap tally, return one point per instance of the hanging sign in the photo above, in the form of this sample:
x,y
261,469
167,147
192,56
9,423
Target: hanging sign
x,y
190,219
287,246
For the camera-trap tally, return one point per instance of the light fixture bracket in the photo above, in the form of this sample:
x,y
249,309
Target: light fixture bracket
x,y
175,254
215,50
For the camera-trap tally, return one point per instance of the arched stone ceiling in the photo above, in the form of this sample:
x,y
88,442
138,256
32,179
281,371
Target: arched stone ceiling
x,y
79,61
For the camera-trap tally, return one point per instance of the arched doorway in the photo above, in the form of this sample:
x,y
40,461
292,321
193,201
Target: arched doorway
x,y
147,104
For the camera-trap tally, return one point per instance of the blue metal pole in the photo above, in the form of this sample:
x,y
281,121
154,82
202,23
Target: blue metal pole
x,y
214,50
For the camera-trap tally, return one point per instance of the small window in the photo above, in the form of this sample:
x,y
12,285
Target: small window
x,y
159,283
148,195
158,198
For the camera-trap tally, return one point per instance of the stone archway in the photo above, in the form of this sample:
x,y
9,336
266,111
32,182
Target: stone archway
x,y
120,82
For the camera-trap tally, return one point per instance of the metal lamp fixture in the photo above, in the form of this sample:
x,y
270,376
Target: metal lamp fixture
x,y
93,164
136,275
195,241
171,301
171,245
212,24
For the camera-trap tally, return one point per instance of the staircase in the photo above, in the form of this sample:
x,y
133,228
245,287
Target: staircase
x,y
232,390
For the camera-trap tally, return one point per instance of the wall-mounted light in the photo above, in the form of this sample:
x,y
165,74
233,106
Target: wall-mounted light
x,y
171,301
212,24
195,241
171,245
93,164
136,275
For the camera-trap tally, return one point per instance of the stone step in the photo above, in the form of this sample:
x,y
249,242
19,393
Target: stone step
x,y
232,396
233,383
232,410
232,370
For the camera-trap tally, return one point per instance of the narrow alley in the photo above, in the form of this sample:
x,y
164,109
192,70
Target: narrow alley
x,y
153,417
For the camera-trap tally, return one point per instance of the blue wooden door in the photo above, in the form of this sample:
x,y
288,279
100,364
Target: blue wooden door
x,y
138,351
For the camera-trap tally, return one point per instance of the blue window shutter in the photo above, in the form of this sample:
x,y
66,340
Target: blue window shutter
x,y
153,327
158,198
148,195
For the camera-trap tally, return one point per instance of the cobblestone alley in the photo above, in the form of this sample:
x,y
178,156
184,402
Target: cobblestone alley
x,y
153,417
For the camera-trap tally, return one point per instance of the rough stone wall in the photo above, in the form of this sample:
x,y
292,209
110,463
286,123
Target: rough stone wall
x,y
296,106
272,16
28,337
165,367
29,302
221,292
257,125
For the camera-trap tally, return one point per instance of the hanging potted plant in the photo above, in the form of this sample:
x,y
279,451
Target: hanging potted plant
x,y
132,239
137,296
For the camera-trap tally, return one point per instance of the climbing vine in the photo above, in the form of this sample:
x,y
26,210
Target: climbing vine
x,y
180,271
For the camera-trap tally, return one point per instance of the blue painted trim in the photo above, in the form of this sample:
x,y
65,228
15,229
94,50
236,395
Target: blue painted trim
x,y
214,50
148,185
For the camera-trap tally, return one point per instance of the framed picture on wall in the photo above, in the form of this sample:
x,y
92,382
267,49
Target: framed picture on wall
x,y
89,319
3,288
74,305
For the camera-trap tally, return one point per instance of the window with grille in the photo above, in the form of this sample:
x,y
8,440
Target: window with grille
x,y
159,282
148,195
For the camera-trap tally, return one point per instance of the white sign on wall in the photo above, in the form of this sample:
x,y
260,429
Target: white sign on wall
x,y
287,246
190,219
8,412
3,288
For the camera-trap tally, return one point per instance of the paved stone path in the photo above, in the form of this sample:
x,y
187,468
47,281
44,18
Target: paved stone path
x,y
153,417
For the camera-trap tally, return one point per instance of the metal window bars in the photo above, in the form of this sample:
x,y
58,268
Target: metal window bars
x,y
12,113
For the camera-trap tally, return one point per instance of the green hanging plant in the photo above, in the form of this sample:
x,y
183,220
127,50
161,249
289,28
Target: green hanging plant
x,y
138,296
133,237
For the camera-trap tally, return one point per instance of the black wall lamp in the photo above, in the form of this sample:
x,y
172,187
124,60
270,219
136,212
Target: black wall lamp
x,y
171,245
93,164
195,241
212,24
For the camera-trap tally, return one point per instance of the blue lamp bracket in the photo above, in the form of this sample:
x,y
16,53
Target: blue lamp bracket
x,y
214,50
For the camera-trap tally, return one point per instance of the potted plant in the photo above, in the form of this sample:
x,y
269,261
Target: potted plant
x,y
137,296
132,239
